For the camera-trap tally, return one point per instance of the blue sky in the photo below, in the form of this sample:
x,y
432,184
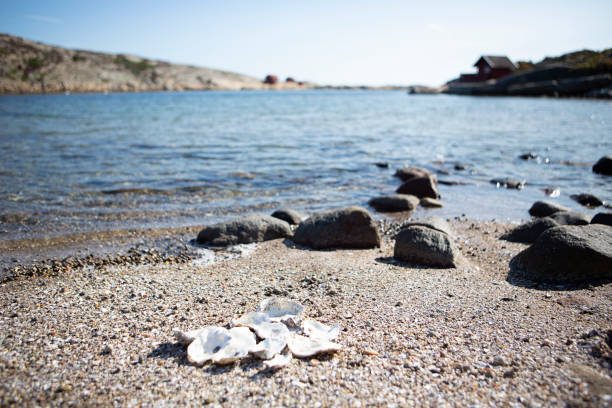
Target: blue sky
x,y
328,42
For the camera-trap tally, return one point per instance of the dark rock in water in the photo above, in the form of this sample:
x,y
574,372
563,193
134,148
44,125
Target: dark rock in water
x,y
395,202
425,246
577,254
570,218
451,183
435,222
604,218
528,156
529,232
420,187
410,172
459,167
544,208
588,200
245,230
604,166
382,165
350,227
508,183
431,203
290,216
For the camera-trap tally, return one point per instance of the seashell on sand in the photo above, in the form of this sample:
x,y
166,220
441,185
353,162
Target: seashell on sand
x,y
268,348
317,330
281,309
261,324
301,346
220,345
281,360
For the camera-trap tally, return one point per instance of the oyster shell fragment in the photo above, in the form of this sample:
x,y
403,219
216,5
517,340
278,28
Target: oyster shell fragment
x,y
317,330
262,325
301,346
220,345
281,310
280,360
268,348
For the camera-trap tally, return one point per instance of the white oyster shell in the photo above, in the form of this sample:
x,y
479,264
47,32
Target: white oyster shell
x,y
281,360
318,330
186,337
281,309
220,345
301,346
262,325
269,348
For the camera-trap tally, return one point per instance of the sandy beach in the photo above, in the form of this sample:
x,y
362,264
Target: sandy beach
x,y
101,333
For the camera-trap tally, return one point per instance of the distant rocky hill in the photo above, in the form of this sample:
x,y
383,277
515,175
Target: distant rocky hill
x,y
32,67
583,73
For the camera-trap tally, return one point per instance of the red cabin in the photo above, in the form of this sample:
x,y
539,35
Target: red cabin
x,y
490,67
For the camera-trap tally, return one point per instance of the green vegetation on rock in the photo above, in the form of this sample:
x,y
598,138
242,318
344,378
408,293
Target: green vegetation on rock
x,y
135,68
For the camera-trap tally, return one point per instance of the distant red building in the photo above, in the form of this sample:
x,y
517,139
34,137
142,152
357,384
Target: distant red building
x,y
490,67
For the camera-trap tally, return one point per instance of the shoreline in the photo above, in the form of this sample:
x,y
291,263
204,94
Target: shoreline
x,y
102,335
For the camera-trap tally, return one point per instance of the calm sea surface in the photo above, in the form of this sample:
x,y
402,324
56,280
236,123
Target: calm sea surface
x,y
88,162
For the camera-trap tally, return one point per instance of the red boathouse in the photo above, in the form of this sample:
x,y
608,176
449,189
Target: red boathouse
x,y
490,67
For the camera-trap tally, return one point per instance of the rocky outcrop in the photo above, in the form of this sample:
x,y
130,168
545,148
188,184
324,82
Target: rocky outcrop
x,y
584,73
350,227
32,67
394,203
245,230
603,166
569,254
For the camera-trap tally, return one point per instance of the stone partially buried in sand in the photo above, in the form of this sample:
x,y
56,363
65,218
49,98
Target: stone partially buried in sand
x,y
245,230
570,218
528,233
425,246
433,222
350,227
395,203
568,254
429,202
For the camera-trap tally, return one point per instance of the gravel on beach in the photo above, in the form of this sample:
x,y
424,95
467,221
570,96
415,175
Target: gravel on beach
x,y
101,334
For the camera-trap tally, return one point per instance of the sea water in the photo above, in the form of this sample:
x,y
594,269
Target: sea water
x,y
138,160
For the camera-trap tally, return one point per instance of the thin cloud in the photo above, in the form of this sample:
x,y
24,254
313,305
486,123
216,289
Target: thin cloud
x,y
46,19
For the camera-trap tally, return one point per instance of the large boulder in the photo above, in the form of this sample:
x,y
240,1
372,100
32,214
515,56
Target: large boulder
x,y
290,216
604,218
395,202
350,227
434,222
569,254
570,218
604,166
425,246
421,187
245,230
529,232
544,208
410,172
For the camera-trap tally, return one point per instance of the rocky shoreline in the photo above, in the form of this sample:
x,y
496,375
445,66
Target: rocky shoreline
x,y
432,311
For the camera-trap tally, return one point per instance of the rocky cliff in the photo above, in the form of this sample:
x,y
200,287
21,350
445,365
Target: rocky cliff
x,y
32,67
583,73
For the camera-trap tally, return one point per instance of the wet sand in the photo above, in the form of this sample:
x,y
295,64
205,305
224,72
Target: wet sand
x,y
100,333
